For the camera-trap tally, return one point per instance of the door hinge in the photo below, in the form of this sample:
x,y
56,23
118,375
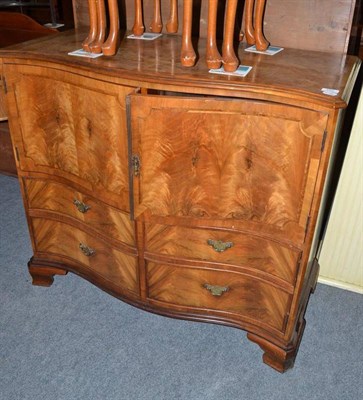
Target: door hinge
x,y
307,227
324,140
17,154
136,165
4,85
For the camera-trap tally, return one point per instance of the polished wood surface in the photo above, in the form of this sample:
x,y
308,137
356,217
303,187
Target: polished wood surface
x,y
184,193
322,25
292,76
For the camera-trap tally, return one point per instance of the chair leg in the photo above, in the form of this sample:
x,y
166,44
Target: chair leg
x,y
93,29
172,25
188,55
261,43
248,22
213,58
96,45
230,61
112,43
138,28
156,25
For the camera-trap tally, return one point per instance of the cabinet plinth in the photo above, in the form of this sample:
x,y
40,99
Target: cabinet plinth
x,y
183,193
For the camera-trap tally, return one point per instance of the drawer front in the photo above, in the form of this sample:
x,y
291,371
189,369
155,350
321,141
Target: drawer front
x,y
224,247
91,254
54,196
231,295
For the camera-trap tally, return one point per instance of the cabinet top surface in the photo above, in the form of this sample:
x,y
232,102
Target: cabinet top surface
x,y
295,74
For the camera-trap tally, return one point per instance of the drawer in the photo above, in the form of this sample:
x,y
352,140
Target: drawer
x,y
256,254
91,254
222,293
54,196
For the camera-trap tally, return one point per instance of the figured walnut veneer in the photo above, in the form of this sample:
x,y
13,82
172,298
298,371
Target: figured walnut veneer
x,y
183,193
234,171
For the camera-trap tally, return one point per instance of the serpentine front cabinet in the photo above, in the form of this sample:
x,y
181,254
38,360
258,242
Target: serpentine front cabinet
x,y
184,193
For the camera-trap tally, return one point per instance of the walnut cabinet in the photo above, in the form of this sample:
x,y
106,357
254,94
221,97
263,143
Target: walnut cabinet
x,y
186,194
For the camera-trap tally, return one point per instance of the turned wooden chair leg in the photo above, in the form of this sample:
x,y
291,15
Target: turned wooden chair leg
x,y
188,55
138,28
230,61
248,22
93,26
172,24
96,45
112,43
261,43
156,25
213,58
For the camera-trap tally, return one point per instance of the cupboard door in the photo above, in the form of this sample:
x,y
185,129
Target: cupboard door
x,y
235,160
71,126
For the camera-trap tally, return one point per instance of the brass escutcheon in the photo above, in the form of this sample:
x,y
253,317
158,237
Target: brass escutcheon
x,y
216,290
219,246
81,207
87,251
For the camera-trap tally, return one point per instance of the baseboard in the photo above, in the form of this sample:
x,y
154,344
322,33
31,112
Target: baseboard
x,y
340,285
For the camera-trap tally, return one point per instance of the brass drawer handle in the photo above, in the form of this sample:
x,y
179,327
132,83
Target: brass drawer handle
x,y
219,246
81,207
216,290
87,251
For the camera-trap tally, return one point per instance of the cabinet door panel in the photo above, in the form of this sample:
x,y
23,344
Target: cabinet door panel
x,y
232,159
70,126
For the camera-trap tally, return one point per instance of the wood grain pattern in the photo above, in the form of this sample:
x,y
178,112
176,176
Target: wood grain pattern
x,y
230,167
74,129
246,298
54,239
58,198
252,254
